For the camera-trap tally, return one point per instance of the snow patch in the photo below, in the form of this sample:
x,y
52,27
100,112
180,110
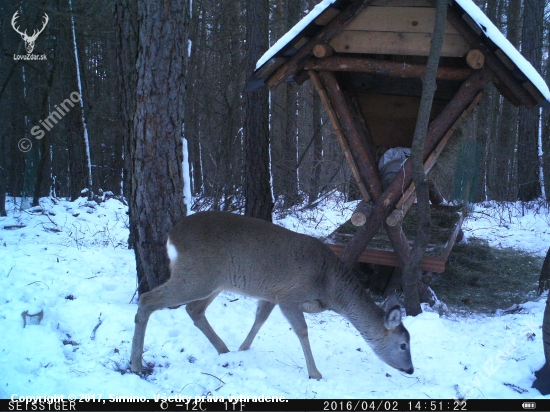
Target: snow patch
x,y
77,267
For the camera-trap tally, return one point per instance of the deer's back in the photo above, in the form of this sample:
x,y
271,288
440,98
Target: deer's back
x,y
251,256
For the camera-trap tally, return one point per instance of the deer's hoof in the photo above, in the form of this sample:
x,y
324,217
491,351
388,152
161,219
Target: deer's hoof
x,y
316,376
136,367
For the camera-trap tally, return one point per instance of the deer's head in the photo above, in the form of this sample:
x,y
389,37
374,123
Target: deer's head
x,y
29,40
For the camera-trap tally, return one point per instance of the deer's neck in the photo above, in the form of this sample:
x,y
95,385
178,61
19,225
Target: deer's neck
x,y
352,301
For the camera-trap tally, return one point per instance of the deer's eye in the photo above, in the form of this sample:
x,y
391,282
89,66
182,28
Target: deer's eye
x,y
403,346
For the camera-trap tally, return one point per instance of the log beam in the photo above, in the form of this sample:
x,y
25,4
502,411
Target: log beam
x,y
298,60
384,67
361,213
400,243
339,133
364,160
408,197
505,79
322,51
475,59
436,131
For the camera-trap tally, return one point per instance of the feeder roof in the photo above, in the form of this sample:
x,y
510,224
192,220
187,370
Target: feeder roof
x,y
307,27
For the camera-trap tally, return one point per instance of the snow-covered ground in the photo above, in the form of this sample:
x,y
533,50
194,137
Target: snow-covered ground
x,y
70,261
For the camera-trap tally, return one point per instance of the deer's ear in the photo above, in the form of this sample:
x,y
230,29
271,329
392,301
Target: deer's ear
x,y
392,319
391,301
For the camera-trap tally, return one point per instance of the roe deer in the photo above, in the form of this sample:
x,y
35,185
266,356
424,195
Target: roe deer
x,y
214,251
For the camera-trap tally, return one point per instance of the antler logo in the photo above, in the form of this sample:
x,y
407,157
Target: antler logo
x,y
29,40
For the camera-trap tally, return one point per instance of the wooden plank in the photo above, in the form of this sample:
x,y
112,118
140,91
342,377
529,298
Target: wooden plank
x,y
411,44
297,62
533,90
403,3
386,106
301,42
505,59
391,120
326,17
339,133
383,67
389,258
397,19
269,67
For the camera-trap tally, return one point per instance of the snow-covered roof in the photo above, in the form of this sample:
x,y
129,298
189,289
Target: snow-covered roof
x,y
488,28
502,42
294,32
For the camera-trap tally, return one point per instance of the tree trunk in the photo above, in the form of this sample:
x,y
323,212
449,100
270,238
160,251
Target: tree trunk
x,y
284,117
528,133
3,180
43,143
126,33
197,35
156,176
14,117
257,188
502,174
315,180
412,271
79,80
542,381
546,138
289,172
73,130
75,150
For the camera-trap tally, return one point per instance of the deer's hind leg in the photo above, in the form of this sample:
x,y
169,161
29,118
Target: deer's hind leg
x,y
165,295
196,310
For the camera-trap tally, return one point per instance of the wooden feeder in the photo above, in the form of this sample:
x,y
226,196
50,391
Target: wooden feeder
x,y
366,59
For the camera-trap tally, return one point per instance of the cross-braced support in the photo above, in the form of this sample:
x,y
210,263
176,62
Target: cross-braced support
x,y
362,162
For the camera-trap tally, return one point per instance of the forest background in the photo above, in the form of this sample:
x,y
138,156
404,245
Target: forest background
x,y
85,148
